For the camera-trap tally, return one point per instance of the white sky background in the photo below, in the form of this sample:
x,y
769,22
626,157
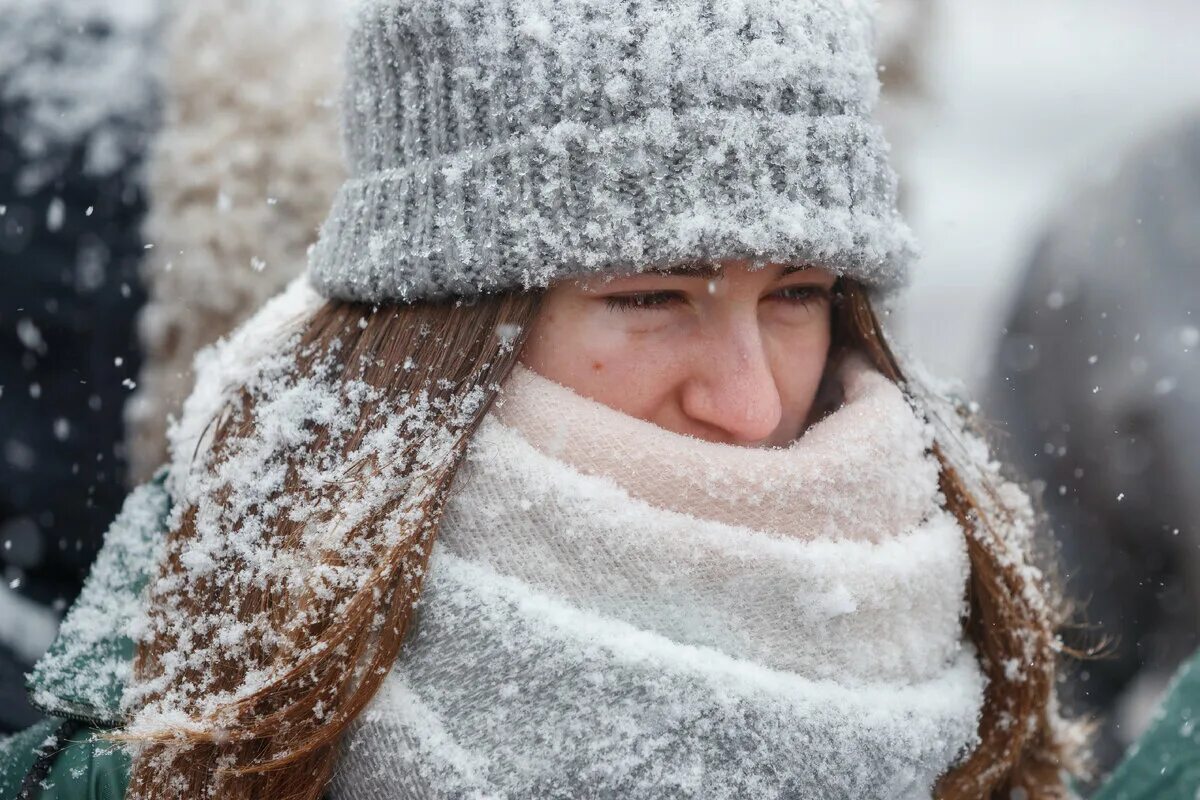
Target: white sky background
x,y
1029,99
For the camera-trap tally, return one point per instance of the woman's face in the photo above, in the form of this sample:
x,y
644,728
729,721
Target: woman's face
x,y
732,355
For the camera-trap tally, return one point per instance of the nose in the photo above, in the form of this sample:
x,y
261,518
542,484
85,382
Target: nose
x,y
732,392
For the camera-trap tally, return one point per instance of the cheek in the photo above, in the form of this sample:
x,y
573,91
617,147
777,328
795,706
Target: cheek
x,y
597,357
631,373
799,358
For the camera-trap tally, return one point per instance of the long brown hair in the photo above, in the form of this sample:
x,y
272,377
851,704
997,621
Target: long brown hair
x,y
281,739
1013,619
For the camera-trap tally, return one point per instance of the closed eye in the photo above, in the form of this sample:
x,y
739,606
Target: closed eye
x,y
801,295
644,300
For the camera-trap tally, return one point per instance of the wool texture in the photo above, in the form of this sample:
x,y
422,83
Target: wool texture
x,y
239,178
501,145
574,640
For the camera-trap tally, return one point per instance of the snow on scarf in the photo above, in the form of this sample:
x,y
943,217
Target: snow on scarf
x,y
614,610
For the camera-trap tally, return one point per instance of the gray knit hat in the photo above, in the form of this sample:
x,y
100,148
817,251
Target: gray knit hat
x,y
500,144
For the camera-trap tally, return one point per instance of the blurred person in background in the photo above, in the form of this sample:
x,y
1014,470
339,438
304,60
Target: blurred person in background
x,y
905,31
78,103
149,155
1097,385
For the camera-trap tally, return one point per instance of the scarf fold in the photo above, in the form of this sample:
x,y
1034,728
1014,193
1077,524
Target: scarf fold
x,y
614,610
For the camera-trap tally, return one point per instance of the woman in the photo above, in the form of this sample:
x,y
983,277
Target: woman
x,y
592,474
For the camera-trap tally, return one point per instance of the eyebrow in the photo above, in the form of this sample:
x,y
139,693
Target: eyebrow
x,y
716,272
693,270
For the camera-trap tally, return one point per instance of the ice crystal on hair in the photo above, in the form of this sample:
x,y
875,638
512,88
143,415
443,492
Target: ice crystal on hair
x,y
295,479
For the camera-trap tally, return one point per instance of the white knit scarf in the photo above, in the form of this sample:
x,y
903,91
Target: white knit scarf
x,y
617,611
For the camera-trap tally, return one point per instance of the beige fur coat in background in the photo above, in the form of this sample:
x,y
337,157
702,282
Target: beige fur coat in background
x,y
239,179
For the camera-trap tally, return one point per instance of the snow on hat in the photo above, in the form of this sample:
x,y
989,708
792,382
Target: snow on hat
x,y
501,144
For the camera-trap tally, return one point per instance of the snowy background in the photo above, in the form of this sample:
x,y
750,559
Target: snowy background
x,y
1028,101
1025,102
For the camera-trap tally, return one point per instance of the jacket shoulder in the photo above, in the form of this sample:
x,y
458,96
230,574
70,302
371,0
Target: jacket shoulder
x,y
1164,764
62,761
84,673
19,752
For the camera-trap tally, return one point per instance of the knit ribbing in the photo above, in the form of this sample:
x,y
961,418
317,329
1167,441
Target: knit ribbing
x,y
501,145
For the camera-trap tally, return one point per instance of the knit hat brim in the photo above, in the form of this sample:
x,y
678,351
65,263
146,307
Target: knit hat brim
x,y
571,200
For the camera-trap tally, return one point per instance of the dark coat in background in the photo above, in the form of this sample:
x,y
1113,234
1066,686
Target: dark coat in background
x,y
1097,389
77,107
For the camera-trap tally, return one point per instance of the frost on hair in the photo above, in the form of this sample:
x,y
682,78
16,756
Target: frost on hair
x,y
288,505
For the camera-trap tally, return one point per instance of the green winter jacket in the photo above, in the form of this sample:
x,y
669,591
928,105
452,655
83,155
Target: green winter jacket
x,y
1165,763
79,682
